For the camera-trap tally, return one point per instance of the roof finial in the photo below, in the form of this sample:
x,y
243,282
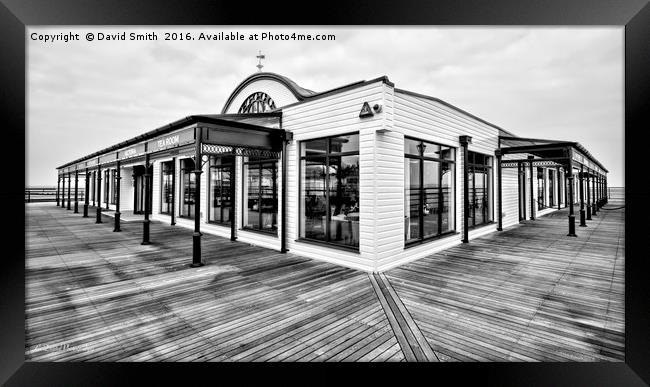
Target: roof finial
x,y
260,56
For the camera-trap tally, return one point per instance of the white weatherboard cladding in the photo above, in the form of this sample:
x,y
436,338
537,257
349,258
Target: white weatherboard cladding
x,y
155,185
126,189
389,187
427,120
510,196
510,177
280,94
329,116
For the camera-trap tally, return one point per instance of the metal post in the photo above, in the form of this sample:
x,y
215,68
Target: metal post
x,y
559,188
607,190
76,191
117,199
521,169
582,197
94,179
572,218
233,235
173,222
588,175
58,184
283,236
87,190
69,190
464,142
499,192
146,223
196,236
532,191
98,188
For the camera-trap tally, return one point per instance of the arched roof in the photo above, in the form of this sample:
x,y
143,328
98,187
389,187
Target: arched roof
x,y
299,92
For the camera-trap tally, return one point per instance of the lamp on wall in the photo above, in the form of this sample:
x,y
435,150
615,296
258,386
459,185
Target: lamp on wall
x,y
204,159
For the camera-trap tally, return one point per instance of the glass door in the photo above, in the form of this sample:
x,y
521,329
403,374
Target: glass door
x,y
139,195
480,196
472,198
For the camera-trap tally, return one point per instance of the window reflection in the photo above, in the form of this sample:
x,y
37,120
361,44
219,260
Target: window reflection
x,y
479,185
330,190
166,192
428,189
261,194
188,184
220,204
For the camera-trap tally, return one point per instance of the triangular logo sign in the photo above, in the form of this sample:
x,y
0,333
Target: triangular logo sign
x,y
365,110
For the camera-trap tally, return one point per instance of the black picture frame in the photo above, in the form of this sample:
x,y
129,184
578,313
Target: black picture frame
x,y
15,15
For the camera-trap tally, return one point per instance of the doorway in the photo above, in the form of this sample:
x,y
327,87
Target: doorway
x,y
139,189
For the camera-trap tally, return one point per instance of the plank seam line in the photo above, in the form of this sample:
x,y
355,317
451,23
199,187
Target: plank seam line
x,y
411,323
397,332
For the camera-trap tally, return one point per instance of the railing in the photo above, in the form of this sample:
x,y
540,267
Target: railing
x,y
616,193
48,194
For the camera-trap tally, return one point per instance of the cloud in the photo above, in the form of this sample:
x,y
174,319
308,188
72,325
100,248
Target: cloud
x,y
564,83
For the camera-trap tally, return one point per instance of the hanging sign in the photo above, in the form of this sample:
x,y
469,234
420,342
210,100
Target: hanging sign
x,y
171,140
134,151
577,156
107,158
366,111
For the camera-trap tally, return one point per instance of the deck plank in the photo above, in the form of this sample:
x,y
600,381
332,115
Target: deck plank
x,y
528,293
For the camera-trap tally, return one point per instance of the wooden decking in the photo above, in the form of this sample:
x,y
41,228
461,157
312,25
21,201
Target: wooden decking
x,y
108,298
528,293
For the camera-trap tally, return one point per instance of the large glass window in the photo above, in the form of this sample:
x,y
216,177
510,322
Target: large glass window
x,y
167,184
188,187
221,168
329,184
480,188
541,189
260,194
428,189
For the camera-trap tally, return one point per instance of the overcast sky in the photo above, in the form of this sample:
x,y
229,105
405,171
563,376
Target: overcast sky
x,y
555,83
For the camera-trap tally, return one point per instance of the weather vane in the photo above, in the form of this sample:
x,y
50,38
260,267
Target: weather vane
x,y
259,64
